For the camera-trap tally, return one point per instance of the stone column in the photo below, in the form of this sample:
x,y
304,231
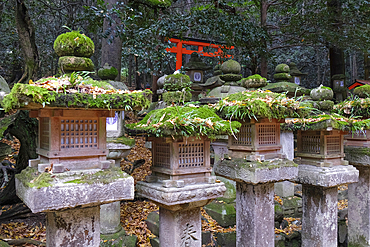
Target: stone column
x,y
319,202
179,210
359,198
255,214
180,228
73,227
255,197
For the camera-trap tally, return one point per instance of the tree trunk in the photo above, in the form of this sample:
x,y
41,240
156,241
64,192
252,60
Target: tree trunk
x,y
26,33
111,50
367,66
25,129
337,65
264,8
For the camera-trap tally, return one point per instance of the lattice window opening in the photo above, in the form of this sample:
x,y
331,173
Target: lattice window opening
x,y
267,134
191,155
162,155
45,133
333,145
77,133
311,144
244,136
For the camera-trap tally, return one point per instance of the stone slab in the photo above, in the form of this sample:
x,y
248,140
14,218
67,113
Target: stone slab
x,y
174,196
257,172
110,218
73,227
284,189
357,155
63,195
327,176
287,144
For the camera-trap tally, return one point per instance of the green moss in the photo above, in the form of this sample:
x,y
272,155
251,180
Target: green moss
x,y
108,72
322,93
338,77
293,88
176,97
72,63
362,91
256,165
282,76
160,3
326,105
177,82
230,77
254,81
30,177
320,122
22,94
5,122
231,67
184,121
123,140
106,176
259,104
74,44
361,242
282,68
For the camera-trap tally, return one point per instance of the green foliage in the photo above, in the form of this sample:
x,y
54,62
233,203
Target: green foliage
x,y
177,82
184,122
354,107
123,140
74,44
362,91
319,122
260,104
30,177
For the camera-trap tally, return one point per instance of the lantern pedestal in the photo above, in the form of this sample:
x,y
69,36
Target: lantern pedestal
x,y
255,196
359,195
72,146
180,184
319,202
179,210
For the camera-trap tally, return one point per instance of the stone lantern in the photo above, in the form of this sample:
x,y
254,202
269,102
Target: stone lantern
x,y
321,170
255,162
296,74
181,180
72,176
195,69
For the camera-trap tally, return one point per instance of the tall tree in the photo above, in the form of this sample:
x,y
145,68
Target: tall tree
x,y
26,33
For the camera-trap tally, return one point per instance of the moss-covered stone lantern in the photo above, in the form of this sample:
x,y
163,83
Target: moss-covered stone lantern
x,y
255,160
181,180
296,74
72,176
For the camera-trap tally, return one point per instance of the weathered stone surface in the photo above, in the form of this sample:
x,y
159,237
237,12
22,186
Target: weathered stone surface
x,y
281,68
357,155
224,91
287,143
284,189
5,149
180,228
110,218
223,213
152,221
107,72
73,227
118,85
255,215
320,212
69,195
322,93
70,63
254,172
173,196
359,209
231,67
326,176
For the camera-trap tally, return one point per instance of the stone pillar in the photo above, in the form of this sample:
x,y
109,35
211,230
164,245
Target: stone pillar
x,y
255,197
319,202
179,210
180,228
110,220
359,197
73,227
255,214
359,209
320,213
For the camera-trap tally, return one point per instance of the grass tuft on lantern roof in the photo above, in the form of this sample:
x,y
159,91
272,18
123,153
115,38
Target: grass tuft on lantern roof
x,y
319,122
354,107
76,90
177,122
261,104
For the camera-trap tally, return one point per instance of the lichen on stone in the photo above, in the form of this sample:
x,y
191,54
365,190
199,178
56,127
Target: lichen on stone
x,y
322,93
72,63
177,82
105,176
31,178
231,67
282,68
123,140
176,97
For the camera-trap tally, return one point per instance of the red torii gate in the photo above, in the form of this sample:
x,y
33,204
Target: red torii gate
x,y
179,50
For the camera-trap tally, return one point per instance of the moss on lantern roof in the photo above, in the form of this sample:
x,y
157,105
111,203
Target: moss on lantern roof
x,y
185,121
354,107
362,91
280,87
105,176
31,178
74,44
319,122
73,91
261,104
196,63
294,71
244,164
